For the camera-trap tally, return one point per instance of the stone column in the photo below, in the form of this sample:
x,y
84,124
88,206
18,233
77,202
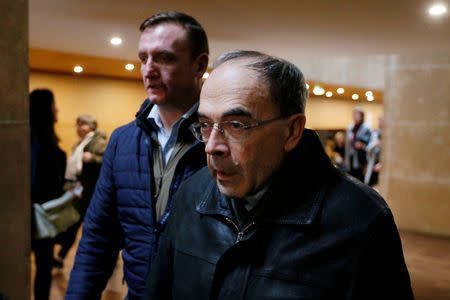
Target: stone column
x,y
416,143
15,204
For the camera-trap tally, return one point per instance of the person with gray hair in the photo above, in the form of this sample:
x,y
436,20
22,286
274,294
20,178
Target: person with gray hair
x,y
270,217
83,168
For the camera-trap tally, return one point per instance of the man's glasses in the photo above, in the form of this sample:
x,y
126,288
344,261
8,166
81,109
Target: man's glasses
x,y
232,131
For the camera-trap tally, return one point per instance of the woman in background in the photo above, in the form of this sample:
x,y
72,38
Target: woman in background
x,y
335,149
48,163
83,167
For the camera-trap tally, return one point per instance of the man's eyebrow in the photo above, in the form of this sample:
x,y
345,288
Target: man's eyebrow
x,y
234,112
238,112
200,115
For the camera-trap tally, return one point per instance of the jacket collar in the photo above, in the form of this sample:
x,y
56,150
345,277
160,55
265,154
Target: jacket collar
x,y
213,201
296,193
149,125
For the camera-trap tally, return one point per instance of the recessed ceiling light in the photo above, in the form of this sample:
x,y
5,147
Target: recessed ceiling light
x,y
116,41
355,96
328,94
205,75
318,91
129,67
370,98
78,69
340,90
437,10
369,93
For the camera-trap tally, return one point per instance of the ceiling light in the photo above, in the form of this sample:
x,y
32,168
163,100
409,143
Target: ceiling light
x,y
205,75
318,91
78,69
129,67
328,94
307,86
437,10
370,98
340,90
116,41
369,93
355,96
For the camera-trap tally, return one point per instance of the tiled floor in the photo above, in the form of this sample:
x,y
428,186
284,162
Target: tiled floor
x,y
427,257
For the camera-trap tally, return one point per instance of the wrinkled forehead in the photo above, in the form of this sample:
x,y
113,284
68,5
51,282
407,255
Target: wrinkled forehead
x,y
233,86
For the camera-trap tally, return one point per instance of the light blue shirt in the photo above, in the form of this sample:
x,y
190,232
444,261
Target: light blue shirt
x,y
167,141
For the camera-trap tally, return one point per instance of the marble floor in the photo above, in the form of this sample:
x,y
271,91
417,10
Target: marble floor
x,y
427,257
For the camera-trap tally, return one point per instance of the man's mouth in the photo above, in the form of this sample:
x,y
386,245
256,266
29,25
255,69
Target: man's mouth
x,y
155,86
224,171
221,175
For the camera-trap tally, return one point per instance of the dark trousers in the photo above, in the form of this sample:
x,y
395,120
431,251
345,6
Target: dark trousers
x,y
67,239
43,252
373,179
357,173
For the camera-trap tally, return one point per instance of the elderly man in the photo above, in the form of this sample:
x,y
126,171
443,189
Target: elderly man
x,y
145,161
272,218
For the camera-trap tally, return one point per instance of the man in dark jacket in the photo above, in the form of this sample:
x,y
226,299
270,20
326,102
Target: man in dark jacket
x,y
145,161
272,218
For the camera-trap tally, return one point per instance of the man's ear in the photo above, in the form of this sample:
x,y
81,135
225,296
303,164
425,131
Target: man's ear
x,y
202,64
296,126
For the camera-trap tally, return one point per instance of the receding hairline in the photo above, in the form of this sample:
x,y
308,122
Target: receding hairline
x,y
242,62
246,64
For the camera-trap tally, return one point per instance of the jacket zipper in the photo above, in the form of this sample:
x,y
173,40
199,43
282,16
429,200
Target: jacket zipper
x,y
241,233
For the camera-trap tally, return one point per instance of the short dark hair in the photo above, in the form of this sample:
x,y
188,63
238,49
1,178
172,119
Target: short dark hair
x,y
287,84
195,32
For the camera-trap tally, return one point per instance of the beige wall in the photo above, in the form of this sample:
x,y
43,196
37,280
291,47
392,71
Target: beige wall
x,y
15,203
325,113
416,179
113,102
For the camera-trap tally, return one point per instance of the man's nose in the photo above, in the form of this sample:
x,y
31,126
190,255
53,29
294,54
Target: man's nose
x,y
149,68
216,144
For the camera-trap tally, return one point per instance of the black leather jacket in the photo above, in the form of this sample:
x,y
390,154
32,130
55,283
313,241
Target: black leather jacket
x,y
318,234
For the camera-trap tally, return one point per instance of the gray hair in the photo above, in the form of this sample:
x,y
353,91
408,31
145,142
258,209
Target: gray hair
x,y
286,81
89,120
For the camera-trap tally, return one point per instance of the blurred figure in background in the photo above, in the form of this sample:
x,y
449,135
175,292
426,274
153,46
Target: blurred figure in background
x,y
335,149
358,136
373,155
83,167
48,163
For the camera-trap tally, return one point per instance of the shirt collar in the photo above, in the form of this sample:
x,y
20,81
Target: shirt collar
x,y
154,115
